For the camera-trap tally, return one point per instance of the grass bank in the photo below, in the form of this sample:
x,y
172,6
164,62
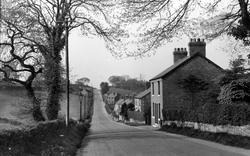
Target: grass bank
x,y
223,138
46,139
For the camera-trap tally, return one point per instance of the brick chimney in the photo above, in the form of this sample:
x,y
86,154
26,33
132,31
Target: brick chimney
x,y
197,46
179,53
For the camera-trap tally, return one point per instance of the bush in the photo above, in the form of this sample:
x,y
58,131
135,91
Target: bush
x,y
237,91
210,111
234,114
108,109
173,115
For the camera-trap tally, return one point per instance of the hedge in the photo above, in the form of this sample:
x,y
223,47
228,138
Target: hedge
x,y
45,139
233,114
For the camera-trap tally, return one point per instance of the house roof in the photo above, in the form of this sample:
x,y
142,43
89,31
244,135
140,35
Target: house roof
x,y
181,63
112,95
142,94
128,101
119,102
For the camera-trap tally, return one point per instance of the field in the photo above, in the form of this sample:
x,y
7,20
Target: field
x,y
19,133
13,112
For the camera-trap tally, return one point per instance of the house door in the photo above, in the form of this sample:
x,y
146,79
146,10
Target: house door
x,y
157,112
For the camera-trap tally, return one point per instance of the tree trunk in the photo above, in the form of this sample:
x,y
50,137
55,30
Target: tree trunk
x,y
53,82
36,110
244,13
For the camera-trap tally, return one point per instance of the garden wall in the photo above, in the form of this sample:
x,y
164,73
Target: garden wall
x,y
138,116
236,130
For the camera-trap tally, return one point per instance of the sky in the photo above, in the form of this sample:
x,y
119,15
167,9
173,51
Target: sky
x,y
90,58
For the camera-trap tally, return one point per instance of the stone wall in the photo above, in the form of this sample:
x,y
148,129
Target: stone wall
x,y
236,130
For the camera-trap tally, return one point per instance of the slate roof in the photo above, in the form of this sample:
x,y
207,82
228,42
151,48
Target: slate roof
x,y
181,63
142,94
120,102
112,95
128,101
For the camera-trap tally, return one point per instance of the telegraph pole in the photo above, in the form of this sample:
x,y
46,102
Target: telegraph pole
x,y
67,63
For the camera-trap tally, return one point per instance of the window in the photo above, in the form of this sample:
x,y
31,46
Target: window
x,y
159,110
153,88
159,89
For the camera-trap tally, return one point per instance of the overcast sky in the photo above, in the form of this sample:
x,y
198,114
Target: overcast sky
x,y
89,58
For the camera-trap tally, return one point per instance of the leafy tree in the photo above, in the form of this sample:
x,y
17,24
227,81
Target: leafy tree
x,y
43,24
83,81
235,92
116,81
237,71
129,83
104,87
238,65
24,61
234,97
124,111
193,85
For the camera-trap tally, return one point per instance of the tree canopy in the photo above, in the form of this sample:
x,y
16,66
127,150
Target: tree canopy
x,y
125,82
43,24
83,81
162,20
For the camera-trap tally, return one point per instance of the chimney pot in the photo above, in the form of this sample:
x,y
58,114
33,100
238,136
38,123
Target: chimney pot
x,y
198,46
179,54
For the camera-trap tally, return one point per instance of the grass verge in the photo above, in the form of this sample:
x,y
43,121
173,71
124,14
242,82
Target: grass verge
x,y
223,138
46,139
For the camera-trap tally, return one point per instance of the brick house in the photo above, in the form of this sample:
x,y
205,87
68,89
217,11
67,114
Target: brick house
x,y
142,100
166,93
112,98
143,104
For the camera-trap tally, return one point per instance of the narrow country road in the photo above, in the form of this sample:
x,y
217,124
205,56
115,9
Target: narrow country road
x,y
109,138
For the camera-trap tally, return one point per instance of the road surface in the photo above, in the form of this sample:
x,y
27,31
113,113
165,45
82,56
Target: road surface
x,y
109,138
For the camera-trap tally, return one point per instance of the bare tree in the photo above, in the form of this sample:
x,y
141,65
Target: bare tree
x,y
22,59
42,22
162,20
